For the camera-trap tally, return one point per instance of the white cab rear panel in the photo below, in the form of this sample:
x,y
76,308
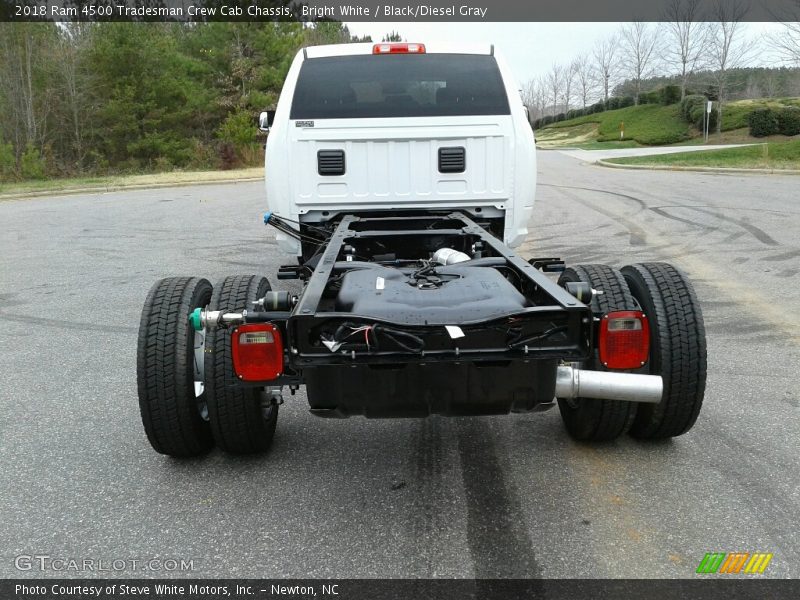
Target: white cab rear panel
x,y
392,163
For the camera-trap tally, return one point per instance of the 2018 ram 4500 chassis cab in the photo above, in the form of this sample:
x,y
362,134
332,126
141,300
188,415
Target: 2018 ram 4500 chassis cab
x,y
400,178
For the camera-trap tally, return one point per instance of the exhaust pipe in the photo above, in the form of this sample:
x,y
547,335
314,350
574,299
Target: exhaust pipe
x,y
606,385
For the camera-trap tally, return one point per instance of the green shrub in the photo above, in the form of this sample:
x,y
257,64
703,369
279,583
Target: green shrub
x,y
698,113
163,147
789,120
763,122
693,110
613,103
560,117
8,162
163,163
238,129
31,164
203,156
670,94
653,97
736,116
690,102
598,107
626,101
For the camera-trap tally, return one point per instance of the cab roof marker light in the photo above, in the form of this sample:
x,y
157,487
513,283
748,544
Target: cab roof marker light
x,y
395,48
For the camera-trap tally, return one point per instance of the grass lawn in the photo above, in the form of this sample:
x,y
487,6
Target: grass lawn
x,y
772,155
122,181
595,145
649,124
582,136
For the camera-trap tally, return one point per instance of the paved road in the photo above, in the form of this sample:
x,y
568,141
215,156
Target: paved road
x,y
501,496
595,155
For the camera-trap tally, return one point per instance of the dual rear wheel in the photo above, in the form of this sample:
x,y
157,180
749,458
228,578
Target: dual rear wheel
x,y
189,397
677,353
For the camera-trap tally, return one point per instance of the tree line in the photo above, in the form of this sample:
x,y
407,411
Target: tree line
x,y
98,98
705,47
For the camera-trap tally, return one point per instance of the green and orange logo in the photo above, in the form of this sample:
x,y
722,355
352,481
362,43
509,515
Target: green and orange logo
x,y
734,562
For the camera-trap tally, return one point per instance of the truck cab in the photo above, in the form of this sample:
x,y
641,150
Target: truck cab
x,y
366,128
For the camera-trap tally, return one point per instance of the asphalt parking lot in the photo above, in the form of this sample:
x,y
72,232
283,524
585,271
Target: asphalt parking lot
x,y
484,497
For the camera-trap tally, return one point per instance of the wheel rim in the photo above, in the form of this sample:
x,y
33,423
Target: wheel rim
x,y
267,408
199,374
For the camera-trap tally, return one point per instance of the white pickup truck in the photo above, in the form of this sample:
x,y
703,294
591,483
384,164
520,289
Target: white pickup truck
x,y
400,177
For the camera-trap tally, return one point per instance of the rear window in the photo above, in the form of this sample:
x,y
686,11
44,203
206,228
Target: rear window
x,y
399,85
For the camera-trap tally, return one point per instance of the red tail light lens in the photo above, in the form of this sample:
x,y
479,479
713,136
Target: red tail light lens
x,y
624,339
398,49
257,352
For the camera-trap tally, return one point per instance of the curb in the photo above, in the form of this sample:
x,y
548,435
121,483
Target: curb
x,y
720,170
122,188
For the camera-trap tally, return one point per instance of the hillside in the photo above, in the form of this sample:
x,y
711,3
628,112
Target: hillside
x,y
650,125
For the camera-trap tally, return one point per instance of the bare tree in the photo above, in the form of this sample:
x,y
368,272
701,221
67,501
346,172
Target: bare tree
x,y
687,38
535,95
541,97
728,47
555,80
584,78
606,62
771,84
20,51
528,93
567,89
787,42
753,89
73,86
638,53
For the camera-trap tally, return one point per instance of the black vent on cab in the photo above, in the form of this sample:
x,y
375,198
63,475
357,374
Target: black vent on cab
x,y
330,162
452,160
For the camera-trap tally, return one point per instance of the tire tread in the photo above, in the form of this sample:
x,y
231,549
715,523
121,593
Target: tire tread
x,y
164,369
235,412
599,420
679,352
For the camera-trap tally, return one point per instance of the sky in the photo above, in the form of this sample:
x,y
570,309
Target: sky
x,y
530,48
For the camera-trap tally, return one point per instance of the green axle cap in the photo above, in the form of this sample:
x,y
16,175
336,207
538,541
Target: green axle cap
x,y
195,320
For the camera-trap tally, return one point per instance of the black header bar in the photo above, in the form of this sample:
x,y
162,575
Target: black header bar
x,y
706,587
389,10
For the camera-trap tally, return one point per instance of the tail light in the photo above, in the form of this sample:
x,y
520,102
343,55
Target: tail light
x,y
257,351
624,339
398,49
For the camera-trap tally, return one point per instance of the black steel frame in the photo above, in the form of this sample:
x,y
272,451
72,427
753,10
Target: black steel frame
x,y
555,306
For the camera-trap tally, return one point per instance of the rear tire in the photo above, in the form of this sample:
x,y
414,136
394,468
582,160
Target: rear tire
x,y
243,419
172,407
590,419
677,349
